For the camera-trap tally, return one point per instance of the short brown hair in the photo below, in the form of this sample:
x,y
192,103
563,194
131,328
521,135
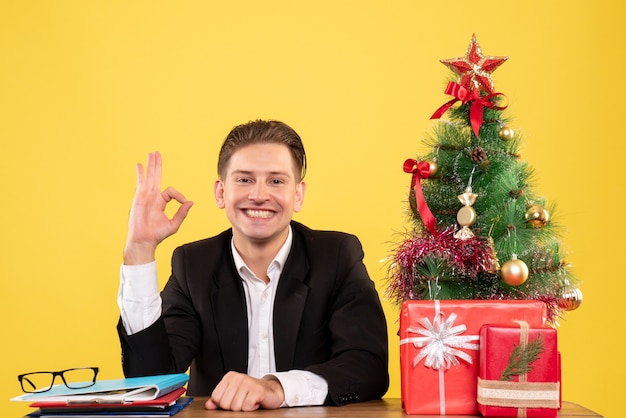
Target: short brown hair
x,y
263,132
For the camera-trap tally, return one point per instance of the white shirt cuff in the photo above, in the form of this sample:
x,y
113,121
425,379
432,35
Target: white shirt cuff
x,y
138,297
302,388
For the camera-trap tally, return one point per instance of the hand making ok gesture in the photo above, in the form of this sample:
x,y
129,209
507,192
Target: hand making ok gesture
x,y
148,223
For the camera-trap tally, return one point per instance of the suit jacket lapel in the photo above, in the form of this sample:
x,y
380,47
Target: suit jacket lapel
x,y
229,311
289,305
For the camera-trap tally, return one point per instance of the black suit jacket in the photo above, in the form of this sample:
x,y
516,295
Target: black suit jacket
x,y
327,318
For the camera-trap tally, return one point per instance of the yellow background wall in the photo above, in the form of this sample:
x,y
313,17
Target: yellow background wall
x,y
87,88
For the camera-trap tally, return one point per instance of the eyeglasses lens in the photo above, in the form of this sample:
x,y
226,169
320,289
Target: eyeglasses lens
x,y
37,382
79,378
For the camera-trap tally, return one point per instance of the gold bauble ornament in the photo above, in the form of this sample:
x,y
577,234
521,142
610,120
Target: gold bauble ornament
x,y
537,216
506,133
514,272
434,168
570,297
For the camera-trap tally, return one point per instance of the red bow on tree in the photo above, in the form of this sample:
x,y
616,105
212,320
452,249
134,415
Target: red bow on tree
x,y
476,108
420,171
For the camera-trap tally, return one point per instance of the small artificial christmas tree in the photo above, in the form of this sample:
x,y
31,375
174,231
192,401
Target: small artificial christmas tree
x,y
480,231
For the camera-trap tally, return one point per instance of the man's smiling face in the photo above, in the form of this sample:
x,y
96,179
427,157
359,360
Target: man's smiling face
x,y
260,192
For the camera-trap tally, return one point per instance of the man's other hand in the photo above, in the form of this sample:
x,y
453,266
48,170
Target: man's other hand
x,y
240,392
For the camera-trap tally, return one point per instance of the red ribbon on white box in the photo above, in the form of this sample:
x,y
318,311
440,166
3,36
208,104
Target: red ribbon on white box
x,y
441,345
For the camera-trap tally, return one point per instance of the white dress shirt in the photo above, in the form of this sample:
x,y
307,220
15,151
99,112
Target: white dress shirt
x,y
140,306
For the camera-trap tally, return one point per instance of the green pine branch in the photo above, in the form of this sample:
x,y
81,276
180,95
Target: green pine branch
x,y
520,361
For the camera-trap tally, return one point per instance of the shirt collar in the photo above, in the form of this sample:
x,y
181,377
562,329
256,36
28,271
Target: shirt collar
x,y
277,264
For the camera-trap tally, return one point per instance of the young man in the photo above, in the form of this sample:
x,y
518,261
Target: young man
x,y
266,314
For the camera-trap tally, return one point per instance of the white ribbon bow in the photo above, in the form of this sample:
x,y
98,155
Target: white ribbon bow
x,y
441,342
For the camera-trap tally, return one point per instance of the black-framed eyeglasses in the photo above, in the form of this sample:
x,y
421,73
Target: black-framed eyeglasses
x,y
76,378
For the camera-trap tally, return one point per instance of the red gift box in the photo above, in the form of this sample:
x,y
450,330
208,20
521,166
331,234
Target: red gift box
x,y
506,390
439,350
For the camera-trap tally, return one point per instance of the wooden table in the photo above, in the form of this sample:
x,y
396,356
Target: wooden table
x,y
386,408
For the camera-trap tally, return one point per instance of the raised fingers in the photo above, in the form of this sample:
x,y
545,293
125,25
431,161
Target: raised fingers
x,y
140,175
154,167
